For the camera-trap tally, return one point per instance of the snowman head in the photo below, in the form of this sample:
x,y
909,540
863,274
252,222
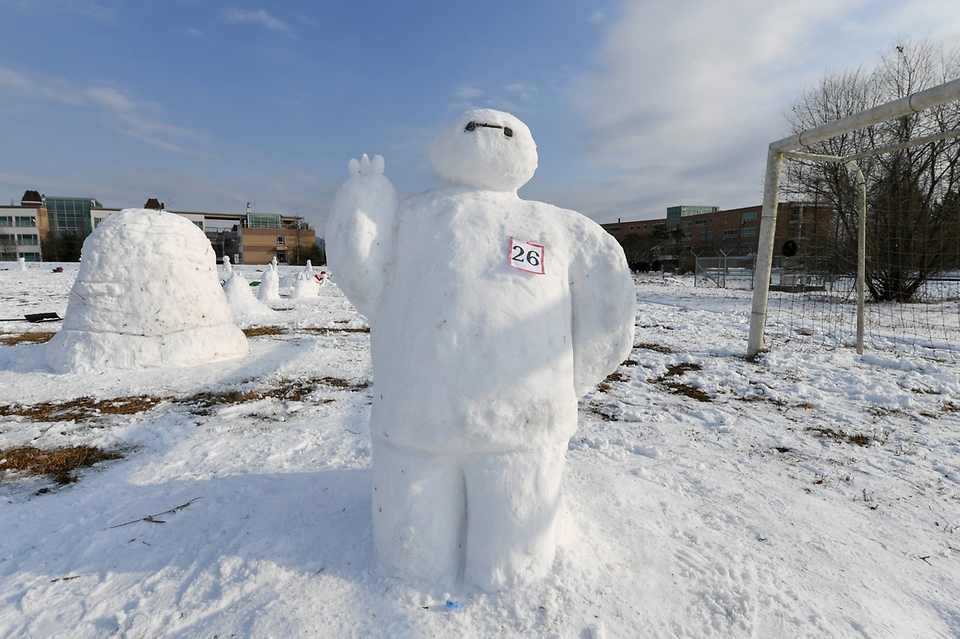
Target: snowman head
x,y
485,149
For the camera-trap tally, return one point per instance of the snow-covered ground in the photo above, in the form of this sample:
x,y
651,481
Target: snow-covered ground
x,y
807,494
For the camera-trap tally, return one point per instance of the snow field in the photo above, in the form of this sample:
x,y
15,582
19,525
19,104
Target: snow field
x,y
750,515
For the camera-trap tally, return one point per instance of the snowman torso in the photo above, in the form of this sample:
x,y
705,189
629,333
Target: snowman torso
x,y
470,353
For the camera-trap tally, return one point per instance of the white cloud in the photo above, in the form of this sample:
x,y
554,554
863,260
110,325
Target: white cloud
x,y
469,93
688,95
257,17
110,99
124,114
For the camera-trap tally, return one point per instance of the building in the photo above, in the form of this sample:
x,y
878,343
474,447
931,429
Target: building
x,y
70,214
675,214
57,226
708,231
621,230
21,228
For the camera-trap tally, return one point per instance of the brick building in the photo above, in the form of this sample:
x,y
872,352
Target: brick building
x,y
708,231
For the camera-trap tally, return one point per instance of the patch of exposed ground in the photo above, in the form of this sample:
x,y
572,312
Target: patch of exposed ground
x,y
289,390
323,330
263,331
859,439
58,464
659,348
36,337
679,388
81,408
87,408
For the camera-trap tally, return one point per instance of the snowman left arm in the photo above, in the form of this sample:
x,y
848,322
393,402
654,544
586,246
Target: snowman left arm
x,y
604,307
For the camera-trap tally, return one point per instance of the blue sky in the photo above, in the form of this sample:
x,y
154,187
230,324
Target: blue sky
x,y
206,105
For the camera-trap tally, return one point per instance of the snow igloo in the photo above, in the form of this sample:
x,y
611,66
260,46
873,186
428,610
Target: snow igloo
x,y
490,316
147,295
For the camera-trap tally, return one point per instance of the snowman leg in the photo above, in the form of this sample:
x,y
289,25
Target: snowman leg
x,y
514,512
418,512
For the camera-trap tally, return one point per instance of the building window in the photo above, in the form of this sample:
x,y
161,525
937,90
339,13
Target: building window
x,y
687,237
282,257
263,221
30,257
24,220
709,235
687,224
703,235
748,217
199,224
6,220
28,240
731,233
749,231
281,241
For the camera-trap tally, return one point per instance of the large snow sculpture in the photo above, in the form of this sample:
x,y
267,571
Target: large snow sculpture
x,y
147,295
490,315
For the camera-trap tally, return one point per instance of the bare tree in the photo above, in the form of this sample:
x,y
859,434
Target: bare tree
x,y
912,225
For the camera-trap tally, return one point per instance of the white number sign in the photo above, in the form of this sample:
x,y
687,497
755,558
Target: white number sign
x,y
527,256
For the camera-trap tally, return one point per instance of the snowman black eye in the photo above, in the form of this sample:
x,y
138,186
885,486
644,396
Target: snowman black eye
x,y
507,131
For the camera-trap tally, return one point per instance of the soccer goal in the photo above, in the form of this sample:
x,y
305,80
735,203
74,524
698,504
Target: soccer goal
x,y
896,241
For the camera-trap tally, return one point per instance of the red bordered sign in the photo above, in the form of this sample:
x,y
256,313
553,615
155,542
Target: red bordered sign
x,y
527,256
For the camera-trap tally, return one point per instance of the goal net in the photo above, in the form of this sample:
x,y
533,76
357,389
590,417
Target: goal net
x,y
882,269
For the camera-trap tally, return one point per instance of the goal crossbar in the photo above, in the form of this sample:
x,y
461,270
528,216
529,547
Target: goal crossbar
x,y
788,147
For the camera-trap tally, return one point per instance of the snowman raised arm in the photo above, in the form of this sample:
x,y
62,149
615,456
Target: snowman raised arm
x,y
361,233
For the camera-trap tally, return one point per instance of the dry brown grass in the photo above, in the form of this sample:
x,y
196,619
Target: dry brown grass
x,y
263,331
858,439
675,370
57,464
678,388
88,408
294,390
80,409
688,391
35,337
323,330
659,348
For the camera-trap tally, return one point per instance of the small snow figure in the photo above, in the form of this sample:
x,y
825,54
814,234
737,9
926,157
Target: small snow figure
x,y
269,289
305,286
243,303
490,316
227,267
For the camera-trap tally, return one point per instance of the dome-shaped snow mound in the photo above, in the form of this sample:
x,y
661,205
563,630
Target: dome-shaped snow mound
x,y
147,295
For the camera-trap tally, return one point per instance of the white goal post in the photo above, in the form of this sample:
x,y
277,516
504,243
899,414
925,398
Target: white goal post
x,y
789,147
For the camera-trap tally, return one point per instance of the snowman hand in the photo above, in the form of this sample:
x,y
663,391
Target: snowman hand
x,y
366,166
